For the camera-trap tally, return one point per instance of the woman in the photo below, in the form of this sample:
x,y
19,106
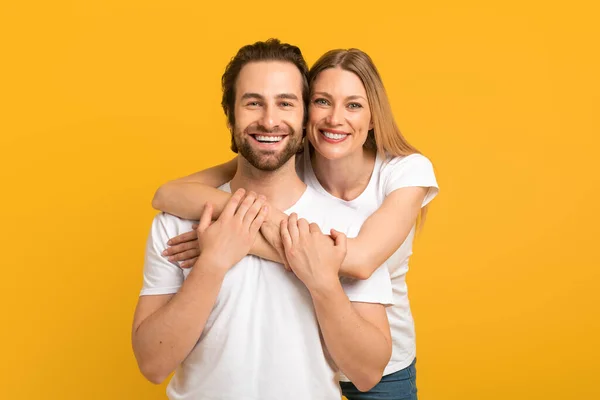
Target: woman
x,y
355,153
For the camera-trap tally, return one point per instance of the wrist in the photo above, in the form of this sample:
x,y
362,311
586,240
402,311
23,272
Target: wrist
x,y
275,216
324,287
208,262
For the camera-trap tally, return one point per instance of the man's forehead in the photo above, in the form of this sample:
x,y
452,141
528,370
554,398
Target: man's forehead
x,y
269,78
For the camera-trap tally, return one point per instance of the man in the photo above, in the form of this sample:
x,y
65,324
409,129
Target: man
x,y
241,327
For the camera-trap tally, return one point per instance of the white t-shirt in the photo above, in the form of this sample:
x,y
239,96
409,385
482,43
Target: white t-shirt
x,y
388,175
261,340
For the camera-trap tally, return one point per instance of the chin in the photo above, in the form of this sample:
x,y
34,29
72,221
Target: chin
x,y
331,154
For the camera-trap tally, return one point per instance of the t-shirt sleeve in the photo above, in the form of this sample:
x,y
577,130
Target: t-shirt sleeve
x,y
160,275
376,289
410,171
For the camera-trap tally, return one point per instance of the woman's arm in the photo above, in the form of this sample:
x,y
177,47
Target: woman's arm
x,y
185,197
383,232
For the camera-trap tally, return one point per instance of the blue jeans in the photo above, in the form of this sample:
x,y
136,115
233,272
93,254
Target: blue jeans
x,y
401,385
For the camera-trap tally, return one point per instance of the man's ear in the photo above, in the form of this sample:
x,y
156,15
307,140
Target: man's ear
x,y
228,122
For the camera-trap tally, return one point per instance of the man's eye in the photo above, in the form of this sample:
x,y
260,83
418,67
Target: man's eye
x,y
253,103
286,104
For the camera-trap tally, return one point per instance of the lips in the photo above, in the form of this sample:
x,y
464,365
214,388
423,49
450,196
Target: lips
x,y
333,136
267,139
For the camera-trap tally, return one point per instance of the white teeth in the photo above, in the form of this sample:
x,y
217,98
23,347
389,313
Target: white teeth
x,y
334,136
268,138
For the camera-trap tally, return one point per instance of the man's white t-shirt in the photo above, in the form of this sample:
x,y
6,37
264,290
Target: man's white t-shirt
x,y
262,339
388,175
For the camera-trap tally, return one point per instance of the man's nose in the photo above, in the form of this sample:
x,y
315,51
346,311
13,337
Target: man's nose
x,y
269,119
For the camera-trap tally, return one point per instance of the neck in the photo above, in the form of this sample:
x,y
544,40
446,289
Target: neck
x,y
282,187
347,177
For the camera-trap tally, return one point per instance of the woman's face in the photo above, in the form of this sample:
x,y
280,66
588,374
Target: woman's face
x,y
339,117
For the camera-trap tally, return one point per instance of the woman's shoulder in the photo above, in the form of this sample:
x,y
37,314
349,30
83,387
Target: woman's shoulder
x,y
414,161
407,171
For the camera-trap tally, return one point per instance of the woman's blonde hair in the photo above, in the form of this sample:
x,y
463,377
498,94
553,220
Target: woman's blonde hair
x,y
385,137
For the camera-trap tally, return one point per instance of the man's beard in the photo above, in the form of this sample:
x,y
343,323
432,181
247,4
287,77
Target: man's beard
x,y
268,160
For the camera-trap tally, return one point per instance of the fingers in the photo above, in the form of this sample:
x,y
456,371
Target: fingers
x,y
303,228
292,227
179,248
206,218
286,239
314,228
185,255
233,204
339,238
258,221
188,263
245,205
252,211
184,237
286,263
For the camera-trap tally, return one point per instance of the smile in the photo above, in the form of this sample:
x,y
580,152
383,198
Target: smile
x,y
263,139
334,137
268,139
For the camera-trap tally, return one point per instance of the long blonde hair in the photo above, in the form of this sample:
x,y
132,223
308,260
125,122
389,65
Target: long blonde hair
x,y
385,137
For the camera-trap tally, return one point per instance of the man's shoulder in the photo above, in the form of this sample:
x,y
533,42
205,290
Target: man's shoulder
x,y
170,224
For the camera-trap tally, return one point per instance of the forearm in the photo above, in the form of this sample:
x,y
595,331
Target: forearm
x,y
269,237
383,232
187,199
359,348
164,339
359,263
263,249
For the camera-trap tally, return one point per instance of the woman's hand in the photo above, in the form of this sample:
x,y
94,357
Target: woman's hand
x,y
184,248
315,258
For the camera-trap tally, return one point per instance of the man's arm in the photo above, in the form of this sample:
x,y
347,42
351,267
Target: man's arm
x,y
357,335
167,327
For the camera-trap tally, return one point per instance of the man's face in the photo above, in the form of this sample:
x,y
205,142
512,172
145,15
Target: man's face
x,y
268,113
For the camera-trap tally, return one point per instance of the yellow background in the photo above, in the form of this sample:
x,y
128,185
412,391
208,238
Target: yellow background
x,y
102,101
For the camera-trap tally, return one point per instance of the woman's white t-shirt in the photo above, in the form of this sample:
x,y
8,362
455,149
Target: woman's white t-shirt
x,y
388,175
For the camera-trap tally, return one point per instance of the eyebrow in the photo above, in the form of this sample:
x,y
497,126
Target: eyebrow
x,y
288,96
353,97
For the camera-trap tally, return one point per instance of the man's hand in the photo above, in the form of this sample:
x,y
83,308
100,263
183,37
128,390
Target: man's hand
x,y
315,258
272,234
226,241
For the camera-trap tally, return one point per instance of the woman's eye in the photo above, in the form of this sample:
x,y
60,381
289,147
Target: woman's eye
x,y
355,105
321,102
